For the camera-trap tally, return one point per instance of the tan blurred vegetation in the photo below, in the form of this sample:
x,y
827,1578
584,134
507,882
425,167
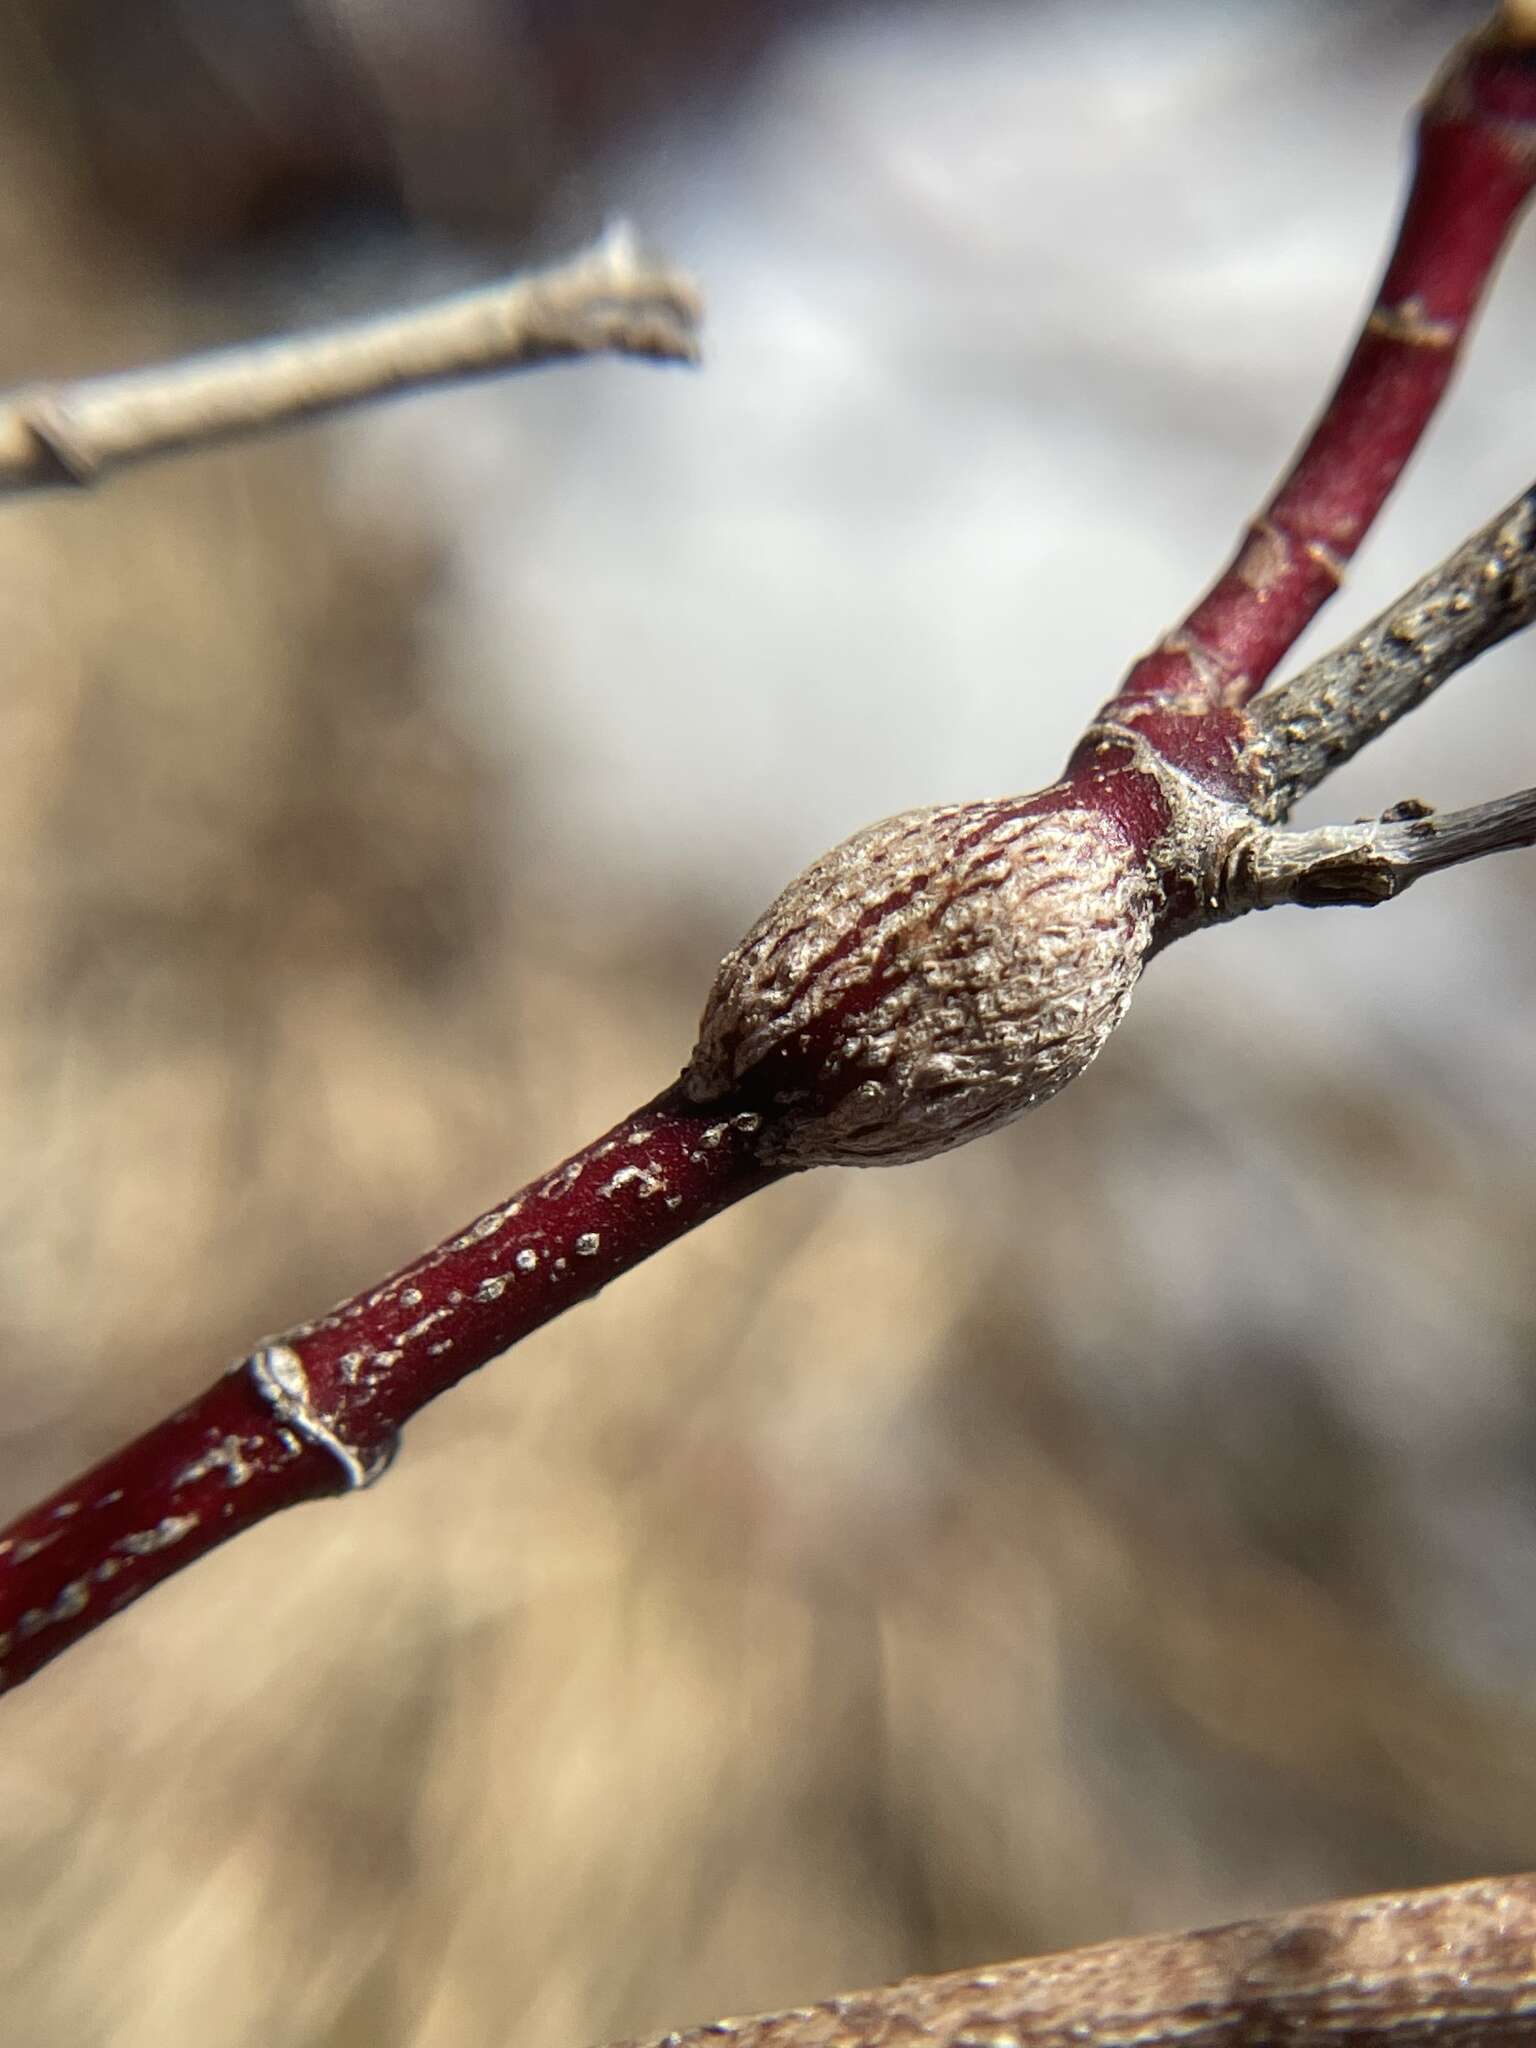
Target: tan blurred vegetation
x,y
910,1569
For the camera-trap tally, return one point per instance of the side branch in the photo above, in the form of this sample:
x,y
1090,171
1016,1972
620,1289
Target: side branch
x,y
1370,863
1307,727
606,301
1450,1968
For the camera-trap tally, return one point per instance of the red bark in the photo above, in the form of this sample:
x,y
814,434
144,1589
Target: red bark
x,y
319,1409
1474,170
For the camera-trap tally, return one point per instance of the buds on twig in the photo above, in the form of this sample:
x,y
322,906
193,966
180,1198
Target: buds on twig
x,y
1450,1967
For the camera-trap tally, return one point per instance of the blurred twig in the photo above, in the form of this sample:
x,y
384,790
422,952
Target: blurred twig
x,y
606,301
1451,1966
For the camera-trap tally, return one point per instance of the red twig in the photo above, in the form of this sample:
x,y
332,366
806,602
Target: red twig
x,y
1474,170
928,979
1449,1968
319,1410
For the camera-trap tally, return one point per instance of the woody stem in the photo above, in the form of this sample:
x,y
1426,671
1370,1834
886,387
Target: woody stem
x,y
1474,171
318,1410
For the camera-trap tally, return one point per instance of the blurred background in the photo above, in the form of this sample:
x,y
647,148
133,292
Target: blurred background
x,y
1124,1524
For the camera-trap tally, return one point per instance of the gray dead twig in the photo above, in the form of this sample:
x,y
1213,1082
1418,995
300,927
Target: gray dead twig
x,y
605,301
1312,724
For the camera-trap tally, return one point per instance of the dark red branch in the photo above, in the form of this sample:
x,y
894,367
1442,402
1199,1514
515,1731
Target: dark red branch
x,y
319,1409
928,979
1450,1968
1474,170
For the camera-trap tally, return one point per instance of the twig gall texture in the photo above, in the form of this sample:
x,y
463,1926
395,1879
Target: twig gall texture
x,y
1450,1968
927,980
936,973
606,301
